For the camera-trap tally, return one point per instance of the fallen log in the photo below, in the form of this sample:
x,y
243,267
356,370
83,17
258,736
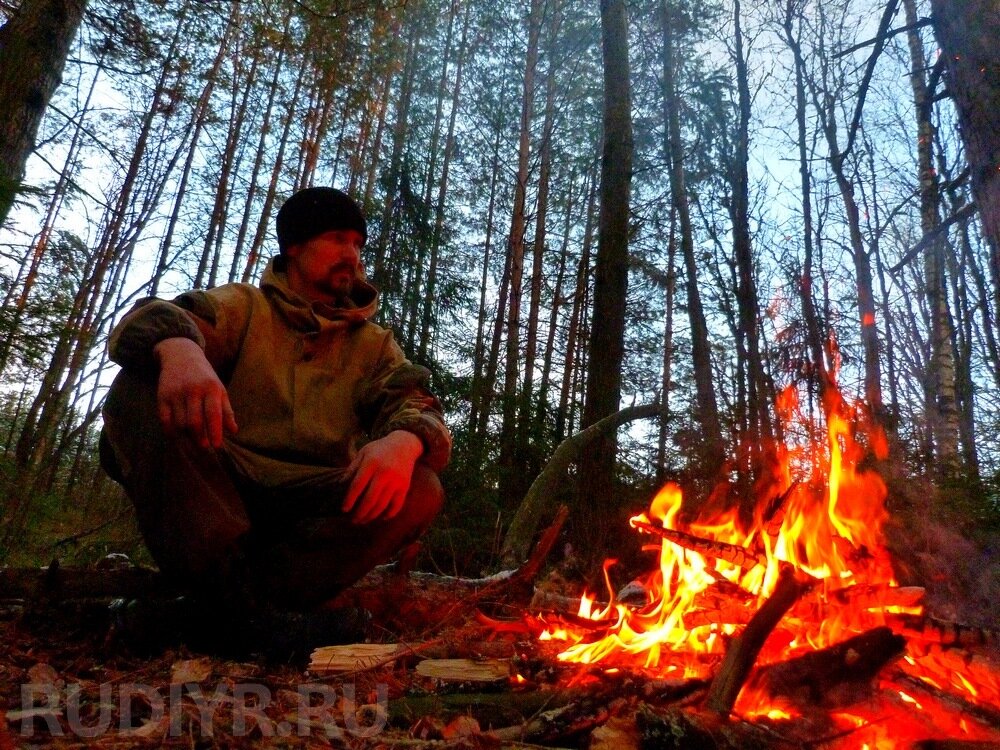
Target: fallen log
x,y
57,582
528,516
512,712
835,676
774,514
742,652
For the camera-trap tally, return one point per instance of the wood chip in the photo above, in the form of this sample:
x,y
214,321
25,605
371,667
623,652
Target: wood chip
x,y
353,657
465,670
190,670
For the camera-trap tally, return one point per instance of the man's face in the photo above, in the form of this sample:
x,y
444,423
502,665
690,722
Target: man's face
x,y
324,268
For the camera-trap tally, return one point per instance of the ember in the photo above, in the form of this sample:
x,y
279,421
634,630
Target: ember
x,y
815,541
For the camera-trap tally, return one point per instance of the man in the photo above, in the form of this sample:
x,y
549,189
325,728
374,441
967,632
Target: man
x,y
276,444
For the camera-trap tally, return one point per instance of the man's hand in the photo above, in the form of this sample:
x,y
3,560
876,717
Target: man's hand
x,y
382,472
190,397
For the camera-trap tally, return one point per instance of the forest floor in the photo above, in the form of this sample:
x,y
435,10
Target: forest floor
x,y
65,682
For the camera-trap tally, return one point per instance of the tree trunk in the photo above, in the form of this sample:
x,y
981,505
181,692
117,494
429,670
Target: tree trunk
x,y
429,305
967,33
558,300
939,382
258,162
398,143
34,44
607,337
198,122
484,376
47,408
816,344
515,248
758,414
666,378
706,408
571,367
525,440
33,261
253,257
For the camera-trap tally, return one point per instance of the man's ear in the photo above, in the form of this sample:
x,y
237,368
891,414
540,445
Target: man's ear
x,y
292,251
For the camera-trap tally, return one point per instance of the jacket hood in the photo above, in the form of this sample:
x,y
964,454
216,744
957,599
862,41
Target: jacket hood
x,y
301,312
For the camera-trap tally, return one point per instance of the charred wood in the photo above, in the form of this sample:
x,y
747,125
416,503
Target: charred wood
x,y
731,553
742,652
686,730
878,596
835,676
930,629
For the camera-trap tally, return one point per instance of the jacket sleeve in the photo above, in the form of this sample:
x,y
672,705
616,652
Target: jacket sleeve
x,y
396,397
213,319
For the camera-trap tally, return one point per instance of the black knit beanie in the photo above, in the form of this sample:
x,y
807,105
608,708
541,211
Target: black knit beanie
x,y
316,210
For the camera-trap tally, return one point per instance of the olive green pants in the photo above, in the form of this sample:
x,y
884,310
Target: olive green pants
x,y
212,530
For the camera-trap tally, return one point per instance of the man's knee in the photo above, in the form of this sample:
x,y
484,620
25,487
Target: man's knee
x,y
426,496
131,423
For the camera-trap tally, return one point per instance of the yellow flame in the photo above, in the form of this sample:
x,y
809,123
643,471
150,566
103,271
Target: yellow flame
x,y
827,525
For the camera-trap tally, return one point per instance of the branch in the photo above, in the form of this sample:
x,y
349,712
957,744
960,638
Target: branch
x,y
546,484
880,40
888,35
966,212
742,652
731,553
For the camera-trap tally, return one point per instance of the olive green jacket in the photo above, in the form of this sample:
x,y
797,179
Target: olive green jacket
x,y
309,384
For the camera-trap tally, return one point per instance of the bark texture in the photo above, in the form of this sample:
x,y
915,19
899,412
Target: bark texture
x,y
33,48
607,340
967,33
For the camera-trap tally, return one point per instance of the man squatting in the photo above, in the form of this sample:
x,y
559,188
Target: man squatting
x,y
276,443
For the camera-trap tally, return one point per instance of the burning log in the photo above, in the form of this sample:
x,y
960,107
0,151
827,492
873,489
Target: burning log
x,y
731,613
742,652
731,553
878,596
774,514
950,634
832,677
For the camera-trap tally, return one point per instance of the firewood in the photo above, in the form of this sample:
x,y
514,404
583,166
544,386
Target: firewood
x,y
731,553
835,676
465,670
730,613
354,657
742,652
933,630
878,596
501,709
774,514
679,729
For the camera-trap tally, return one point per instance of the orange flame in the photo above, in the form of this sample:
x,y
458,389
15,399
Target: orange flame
x,y
827,526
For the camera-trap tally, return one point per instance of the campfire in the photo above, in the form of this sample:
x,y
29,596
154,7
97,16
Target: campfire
x,y
796,611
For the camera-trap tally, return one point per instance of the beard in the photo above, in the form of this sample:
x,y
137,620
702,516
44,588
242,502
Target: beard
x,y
339,282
